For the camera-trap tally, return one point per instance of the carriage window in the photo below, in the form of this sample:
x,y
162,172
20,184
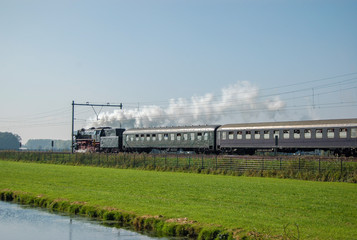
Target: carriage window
x,y
137,137
192,136
199,136
178,137
142,136
343,133
172,136
286,134
185,136
160,136
276,133
257,134
166,136
127,138
240,135
331,133
353,132
297,134
307,133
205,136
154,137
147,137
318,133
266,134
230,135
224,135
248,135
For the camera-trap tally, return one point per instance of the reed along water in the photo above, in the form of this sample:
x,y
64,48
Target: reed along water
x,y
24,223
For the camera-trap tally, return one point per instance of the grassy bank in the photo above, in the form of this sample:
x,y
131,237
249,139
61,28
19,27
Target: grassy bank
x,y
200,203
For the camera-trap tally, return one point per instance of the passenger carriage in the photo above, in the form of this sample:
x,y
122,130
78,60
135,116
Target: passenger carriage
x,y
339,136
191,138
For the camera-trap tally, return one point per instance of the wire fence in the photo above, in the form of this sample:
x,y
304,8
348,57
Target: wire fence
x,y
339,167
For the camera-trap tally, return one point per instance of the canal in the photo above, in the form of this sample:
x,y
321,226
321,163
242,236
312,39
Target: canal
x,y
19,222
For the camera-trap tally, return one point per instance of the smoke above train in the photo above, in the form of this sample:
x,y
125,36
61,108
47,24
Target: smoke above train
x,y
241,100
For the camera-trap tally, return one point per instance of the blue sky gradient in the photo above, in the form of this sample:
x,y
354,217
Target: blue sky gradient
x,y
144,53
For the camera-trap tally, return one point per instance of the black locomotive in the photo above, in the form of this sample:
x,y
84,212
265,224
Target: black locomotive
x,y
104,139
336,136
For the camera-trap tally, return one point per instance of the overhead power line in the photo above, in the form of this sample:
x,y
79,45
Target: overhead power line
x,y
343,83
318,84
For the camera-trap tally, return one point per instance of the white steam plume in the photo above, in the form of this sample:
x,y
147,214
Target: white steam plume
x,y
238,102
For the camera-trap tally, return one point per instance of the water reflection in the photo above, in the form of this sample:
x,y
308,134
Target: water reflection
x,y
17,223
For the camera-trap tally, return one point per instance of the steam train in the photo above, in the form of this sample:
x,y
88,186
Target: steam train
x,y
336,136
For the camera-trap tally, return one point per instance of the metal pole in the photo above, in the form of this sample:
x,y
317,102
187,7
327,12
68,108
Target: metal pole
x,y
72,125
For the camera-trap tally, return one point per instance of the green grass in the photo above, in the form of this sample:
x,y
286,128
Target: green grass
x,y
320,210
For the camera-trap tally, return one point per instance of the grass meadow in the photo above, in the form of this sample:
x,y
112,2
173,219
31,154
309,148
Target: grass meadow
x,y
269,206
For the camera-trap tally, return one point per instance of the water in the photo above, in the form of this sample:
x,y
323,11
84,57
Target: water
x,y
20,223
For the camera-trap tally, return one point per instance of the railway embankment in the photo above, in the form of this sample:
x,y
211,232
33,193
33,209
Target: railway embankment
x,y
199,206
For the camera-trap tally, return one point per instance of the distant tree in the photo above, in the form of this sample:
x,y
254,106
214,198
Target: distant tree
x,y
46,145
38,144
61,145
9,141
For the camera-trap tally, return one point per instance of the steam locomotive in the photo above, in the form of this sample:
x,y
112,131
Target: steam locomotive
x,y
337,136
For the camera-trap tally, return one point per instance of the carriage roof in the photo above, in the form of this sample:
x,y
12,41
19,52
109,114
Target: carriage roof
x,y
291,124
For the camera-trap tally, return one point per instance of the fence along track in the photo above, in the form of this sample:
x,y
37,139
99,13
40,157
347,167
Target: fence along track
x,y
191,161
213,162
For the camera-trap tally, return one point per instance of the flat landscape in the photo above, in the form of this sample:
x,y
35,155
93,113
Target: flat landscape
x,y
305,209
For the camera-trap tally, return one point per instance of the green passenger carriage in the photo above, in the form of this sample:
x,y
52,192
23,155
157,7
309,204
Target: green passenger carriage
x,y
190,138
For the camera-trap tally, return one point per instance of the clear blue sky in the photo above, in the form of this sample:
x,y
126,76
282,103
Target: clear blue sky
x,y
146,52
